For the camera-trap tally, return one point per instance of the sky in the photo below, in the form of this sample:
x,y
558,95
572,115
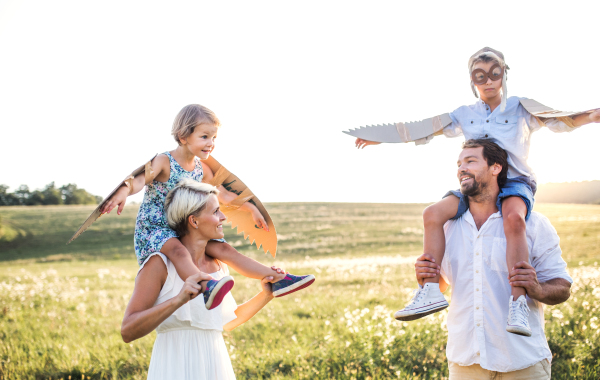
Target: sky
x,y
89,90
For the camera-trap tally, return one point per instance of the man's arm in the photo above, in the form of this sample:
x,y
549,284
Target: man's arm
x,y
551,292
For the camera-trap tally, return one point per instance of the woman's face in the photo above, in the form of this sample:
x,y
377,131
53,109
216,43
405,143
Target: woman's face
x,y
210,221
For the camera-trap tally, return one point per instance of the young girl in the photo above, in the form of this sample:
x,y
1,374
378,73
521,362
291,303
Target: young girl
x,y
509,124
195,130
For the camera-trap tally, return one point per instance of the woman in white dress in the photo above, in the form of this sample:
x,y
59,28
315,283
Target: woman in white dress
x,y
189,342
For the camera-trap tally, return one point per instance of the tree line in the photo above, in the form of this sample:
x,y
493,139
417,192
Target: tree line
x,y
68,194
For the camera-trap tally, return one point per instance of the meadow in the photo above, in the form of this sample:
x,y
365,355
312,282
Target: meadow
x,y
61,305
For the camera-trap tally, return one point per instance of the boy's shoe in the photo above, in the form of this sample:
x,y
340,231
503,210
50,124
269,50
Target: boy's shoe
x,y
216,291
291,284
518,317
427,300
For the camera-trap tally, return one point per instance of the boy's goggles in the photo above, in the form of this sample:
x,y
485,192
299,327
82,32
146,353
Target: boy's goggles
x,y
480,76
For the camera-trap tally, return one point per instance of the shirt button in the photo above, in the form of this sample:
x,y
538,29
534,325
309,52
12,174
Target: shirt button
x,y
477,307
478,353
506,121
486,135
477,254
487,121
476,271
477,290
478,325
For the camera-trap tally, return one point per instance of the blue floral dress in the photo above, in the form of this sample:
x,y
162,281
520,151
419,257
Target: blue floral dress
x,y
151,228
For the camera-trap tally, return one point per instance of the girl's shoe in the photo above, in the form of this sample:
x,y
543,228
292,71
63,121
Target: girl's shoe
x,y
216,291
427,300
291,284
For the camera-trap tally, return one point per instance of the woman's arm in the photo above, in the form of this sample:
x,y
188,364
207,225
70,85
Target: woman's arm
x,y
141,316
160,164
248,309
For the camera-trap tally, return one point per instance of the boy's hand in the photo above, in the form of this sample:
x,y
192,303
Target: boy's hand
x,y
595,116
259,220
118,199
361,144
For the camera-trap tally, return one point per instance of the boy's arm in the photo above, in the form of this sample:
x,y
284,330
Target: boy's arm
x,y
159,165
587,118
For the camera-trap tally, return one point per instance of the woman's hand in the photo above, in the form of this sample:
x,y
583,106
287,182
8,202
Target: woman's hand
x,y
361,144
191,288
266,286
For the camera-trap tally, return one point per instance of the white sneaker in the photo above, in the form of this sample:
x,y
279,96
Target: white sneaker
x,y
518,317
427,300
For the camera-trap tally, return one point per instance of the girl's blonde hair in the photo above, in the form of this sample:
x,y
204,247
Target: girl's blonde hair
x,y
189,118
189,197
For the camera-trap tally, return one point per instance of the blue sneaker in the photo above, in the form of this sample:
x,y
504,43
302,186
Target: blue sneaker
x,y
291,284
216,291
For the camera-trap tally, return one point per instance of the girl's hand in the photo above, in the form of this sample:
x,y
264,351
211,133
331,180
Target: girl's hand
x,y
266,286
191,288
259,220
118,199
278,270
595,116
361,144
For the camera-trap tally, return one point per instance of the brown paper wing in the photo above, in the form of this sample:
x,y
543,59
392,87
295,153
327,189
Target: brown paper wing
x,y
241,219
403,132
96,213
539,110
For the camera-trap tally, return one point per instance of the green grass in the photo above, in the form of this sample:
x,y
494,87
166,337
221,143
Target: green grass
x,y
61,306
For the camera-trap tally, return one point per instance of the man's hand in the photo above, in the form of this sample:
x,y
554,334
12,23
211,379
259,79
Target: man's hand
x,y
523,275
425,267
361,144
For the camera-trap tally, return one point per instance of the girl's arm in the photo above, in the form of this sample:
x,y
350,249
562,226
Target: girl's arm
x,y
160,167
226,197
141,316
248,309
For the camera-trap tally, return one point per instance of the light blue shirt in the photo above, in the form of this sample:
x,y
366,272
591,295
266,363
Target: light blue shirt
x,y
510,129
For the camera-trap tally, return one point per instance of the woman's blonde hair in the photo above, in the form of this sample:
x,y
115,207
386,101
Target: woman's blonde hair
x,y
189,118
189,197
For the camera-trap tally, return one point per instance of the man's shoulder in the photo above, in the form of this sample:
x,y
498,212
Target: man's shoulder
x,y
539,223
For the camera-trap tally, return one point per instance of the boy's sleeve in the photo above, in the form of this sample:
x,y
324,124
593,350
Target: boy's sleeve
x,y
555,124
454,129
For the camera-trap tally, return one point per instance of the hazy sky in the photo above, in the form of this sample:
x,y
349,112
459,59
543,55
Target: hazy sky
x,y
88,90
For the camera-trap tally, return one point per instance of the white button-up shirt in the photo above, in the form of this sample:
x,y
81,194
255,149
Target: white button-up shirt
x,y
510,129
475,266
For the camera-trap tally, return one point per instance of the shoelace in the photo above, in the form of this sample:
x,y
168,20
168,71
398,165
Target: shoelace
x,y
515,316
418,294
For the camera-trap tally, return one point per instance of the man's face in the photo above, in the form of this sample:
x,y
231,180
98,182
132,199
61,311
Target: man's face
x,y
474,174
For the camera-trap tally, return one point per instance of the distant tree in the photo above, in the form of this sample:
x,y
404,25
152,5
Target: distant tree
x,y
52,195
22,193
74,196
6,198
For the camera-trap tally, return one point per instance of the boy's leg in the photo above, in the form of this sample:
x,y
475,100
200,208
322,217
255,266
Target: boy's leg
x,y
514,212
429,299
434,218
242,264
181,259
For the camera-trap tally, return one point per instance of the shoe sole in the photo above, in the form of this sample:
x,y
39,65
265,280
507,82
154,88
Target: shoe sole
x,y
412,317
220,291
518,330
295,287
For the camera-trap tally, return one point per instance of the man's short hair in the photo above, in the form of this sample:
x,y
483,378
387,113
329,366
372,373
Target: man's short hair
x,y
493,154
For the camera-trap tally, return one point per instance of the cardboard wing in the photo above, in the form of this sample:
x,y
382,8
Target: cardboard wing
x,y
241,219
537,109
417,131
147,168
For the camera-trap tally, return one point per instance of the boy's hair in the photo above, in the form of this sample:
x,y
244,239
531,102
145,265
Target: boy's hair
x,y
485,55
189,118
189,197
493,154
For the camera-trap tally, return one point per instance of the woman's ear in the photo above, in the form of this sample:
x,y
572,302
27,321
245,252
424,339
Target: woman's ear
x,y
192,221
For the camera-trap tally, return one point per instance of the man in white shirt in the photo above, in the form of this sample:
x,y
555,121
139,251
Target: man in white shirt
x,y
474,264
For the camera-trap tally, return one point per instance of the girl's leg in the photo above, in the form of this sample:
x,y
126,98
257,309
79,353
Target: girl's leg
x,y
244,265
514,212
181,259
434,218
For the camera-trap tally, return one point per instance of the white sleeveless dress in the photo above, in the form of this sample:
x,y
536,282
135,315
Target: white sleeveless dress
x,y
189,344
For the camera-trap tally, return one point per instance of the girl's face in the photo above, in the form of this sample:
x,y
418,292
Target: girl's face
x,y
491,88
210,221
202,141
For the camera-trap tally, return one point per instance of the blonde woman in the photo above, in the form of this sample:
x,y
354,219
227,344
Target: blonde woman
x,y
189,342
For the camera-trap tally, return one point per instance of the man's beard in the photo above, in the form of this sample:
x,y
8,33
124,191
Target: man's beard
x,y
473,190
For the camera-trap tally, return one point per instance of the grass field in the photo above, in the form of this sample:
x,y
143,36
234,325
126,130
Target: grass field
x,y
61,306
